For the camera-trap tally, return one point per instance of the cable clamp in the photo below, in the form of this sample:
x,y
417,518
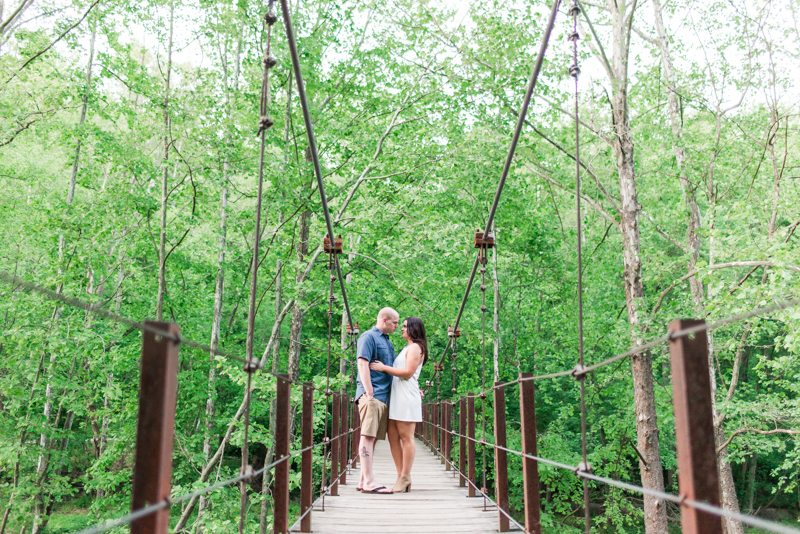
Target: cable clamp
x,y
247,472
264,123
326,439
271,18
252,365
579,372
574,11
574,36
583,467
328,392
482,395
270,62
574,71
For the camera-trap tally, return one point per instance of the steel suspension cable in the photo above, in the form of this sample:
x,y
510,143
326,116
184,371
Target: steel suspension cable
x,y
523,111
312,144
483,396
264,123
574,72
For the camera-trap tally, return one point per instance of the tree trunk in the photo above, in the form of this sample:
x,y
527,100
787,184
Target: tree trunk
x,y
41,466
296,330
162,244
751,483
655,513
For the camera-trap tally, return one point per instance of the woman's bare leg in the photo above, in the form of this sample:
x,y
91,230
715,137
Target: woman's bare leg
x,y
406,431
395,445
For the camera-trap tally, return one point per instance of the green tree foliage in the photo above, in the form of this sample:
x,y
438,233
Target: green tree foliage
x,y
414,104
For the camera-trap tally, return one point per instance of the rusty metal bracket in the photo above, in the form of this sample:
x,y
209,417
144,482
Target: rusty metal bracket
x,y
484,242
453,333
337,245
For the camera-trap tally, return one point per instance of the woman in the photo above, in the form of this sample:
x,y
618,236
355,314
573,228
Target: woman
x,y
405,401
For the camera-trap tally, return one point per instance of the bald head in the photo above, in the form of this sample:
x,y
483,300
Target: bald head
x,y
388,320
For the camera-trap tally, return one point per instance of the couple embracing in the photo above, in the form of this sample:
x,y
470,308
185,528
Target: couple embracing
x,y
388,396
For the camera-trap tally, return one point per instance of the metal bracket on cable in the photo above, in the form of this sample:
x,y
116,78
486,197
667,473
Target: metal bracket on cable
x,y
453,333
337,245
484,242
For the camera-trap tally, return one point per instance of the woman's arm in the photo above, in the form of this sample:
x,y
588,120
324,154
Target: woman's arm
x,y
413,357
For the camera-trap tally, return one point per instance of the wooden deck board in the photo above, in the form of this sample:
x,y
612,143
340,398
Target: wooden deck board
x,y
435,504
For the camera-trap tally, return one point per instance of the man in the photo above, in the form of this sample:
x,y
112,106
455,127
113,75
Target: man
x,y
372,393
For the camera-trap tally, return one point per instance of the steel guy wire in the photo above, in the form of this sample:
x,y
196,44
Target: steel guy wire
x,y
312,144
523,111
138,325
574,72
126,519
716,510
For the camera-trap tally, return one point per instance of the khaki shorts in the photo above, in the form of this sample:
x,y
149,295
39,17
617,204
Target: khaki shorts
x,y
374,417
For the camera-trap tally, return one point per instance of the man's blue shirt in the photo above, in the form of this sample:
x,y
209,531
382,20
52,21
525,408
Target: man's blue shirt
x,y
374,345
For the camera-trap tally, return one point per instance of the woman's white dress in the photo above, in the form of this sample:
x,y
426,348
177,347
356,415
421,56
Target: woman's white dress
x,y
405,401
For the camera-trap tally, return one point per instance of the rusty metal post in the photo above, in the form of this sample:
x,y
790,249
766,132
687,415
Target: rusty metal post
x,y
152,471
437,435
280,492
448,439
424,422
530,467
473,472
694,428
356,433
306,459
462,441
344,405
335,454
500,457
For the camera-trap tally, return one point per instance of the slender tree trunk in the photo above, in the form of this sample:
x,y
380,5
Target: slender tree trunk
x,y
655,513
296,331
41,467
162,243
751,483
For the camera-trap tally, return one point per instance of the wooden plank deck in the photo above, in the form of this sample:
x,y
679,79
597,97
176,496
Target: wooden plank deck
x,y
435,504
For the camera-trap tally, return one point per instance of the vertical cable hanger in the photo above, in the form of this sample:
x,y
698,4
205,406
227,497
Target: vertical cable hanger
x,y
574,72
264,123
331,248
483,244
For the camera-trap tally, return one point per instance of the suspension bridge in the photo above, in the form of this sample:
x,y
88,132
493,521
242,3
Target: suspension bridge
x,y
447,495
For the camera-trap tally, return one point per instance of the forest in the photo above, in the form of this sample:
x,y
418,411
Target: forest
x,y
130,155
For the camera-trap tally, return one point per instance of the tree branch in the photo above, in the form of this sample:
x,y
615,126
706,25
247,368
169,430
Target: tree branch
x,y
719,266
63,34
756,431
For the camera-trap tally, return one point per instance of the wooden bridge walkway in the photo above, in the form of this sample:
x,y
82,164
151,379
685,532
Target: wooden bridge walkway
x,y
435,504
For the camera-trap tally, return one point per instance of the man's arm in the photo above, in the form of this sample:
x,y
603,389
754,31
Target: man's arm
x,y
366,378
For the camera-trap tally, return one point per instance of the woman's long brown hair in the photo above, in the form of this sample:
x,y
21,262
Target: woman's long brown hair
x,y
415,329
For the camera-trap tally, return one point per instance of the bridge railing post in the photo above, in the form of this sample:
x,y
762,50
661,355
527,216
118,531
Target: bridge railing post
x,y
280,494
462,441
356,433
501,457
473,472
694,428
438,416
446,435
155,430
530,467
343,406
307,458
335,454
